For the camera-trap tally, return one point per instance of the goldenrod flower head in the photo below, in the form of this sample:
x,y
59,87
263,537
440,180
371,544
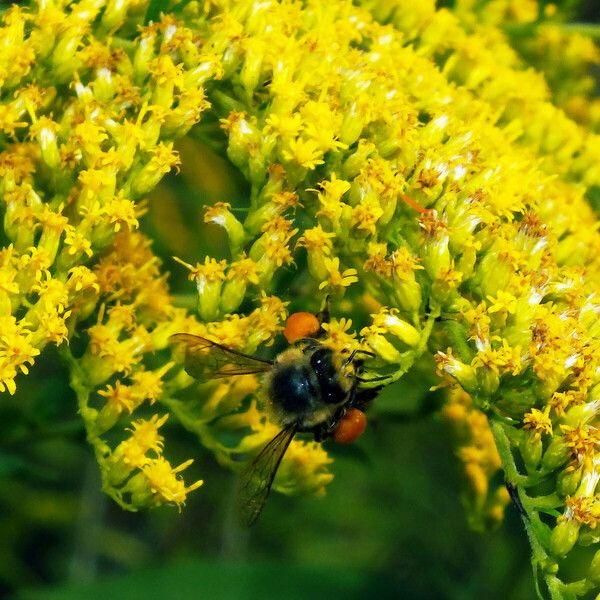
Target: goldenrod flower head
x,y
581,440
16,351
304,469
457,198
387,321
164,484
537,421
337,280
464,374
338,336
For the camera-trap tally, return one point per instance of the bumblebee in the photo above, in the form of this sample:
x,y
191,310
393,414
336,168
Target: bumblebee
x,y
309,388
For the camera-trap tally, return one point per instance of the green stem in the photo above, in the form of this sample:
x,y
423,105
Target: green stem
x,y
82,391
508,462
457,335
588,29
531,522
189,301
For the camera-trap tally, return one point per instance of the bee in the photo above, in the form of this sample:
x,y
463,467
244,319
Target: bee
x,y
309,388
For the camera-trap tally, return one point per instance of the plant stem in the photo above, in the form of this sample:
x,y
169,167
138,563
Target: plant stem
x,y
539,556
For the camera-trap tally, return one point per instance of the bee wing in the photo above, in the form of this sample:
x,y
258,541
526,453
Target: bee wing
x,y
257,478
205,360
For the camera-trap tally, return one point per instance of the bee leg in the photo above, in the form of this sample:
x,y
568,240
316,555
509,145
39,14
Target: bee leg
x,y
323,315
362,398
353,354
371,379
325,430
319,432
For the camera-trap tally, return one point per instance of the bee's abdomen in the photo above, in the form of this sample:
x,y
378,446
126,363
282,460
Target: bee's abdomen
x,y
328,375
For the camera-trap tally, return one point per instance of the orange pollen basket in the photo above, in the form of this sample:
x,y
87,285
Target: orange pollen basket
x,y
301,325
351,427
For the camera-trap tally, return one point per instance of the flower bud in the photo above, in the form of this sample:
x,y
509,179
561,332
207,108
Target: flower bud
x,y
407,293
556,454
383,348
209,296
563,537
399,328
46,134
252,65
582,413
115,13
118,471
489,381
166,76
353,124
65,60
531,450
436,255
141,494
108,415
466,375
568,481
356,161
233,294
163,160
594,569
144,54
220,214
316,264
244,138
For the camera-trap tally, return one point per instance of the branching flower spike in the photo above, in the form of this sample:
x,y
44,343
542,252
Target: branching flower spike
x,y
403,167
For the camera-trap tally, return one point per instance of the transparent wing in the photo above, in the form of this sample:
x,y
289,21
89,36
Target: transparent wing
x,y
257,478
205,360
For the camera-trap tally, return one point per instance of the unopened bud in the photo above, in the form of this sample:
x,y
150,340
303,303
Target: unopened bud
x,y
563,537
531,450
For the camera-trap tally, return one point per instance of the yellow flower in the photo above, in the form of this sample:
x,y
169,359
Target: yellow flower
x,y
16,351
330,198
338,336
581,440
164,483
120,397
503,302
537,421
366,214
337,279
287,126
145,433
304,152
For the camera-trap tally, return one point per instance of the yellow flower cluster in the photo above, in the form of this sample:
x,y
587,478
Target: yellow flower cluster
x,y
541,35
400,159
477,452
87,131
446,186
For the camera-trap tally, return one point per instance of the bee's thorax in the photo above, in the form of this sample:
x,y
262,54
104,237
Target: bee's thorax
x,y
306,386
